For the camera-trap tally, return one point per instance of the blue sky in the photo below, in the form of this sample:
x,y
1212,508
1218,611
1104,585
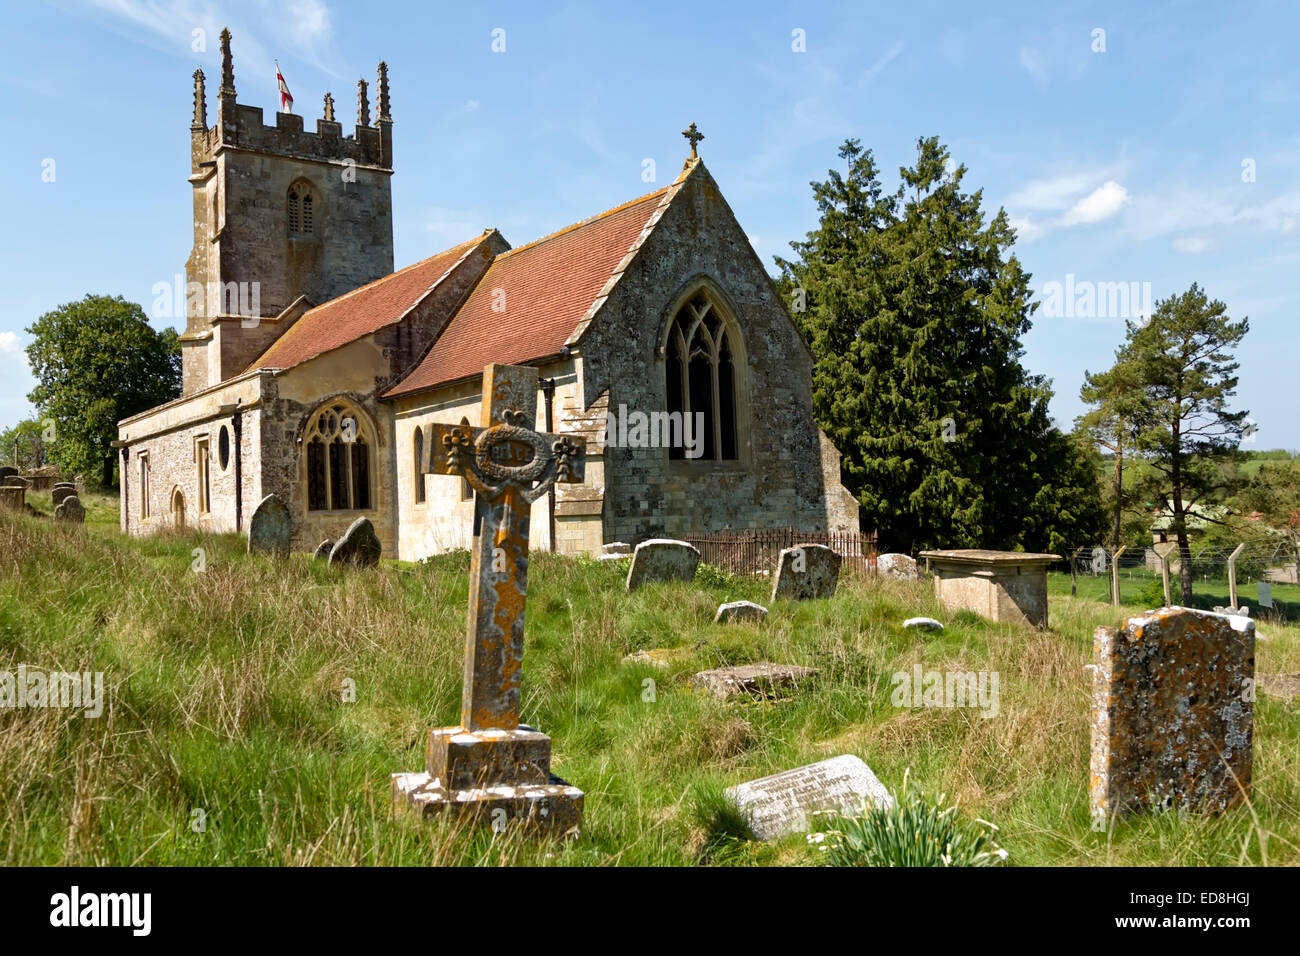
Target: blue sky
x,y
1124,165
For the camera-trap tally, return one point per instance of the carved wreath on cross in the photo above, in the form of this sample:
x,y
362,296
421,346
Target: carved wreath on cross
x,y
472,457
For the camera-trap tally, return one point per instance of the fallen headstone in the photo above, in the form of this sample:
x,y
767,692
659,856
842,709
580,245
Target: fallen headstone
x,y
1172,712
619,548
658,656
763,679
662,559
923,623
739,611
71,510
806,572
896,566
1284,686
271,528
359,547
322,552
785,802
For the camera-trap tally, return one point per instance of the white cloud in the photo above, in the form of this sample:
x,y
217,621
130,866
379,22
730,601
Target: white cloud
x,y
1054,193
1192,245
1102,203
9,344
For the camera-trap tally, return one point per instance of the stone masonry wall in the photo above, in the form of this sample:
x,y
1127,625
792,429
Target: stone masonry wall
x,y
779,481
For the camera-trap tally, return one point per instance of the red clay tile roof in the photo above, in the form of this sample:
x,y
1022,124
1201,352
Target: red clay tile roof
x,y
548,287
339,321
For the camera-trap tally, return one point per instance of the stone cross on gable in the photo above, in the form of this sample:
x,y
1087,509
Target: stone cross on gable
x,y
491,767
509,466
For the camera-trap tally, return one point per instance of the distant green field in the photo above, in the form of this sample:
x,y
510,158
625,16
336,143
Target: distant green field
x,y
1207,594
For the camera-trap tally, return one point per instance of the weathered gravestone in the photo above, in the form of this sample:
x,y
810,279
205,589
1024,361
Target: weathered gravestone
x,y
806,571
6,471
13,498
662,559
491,768
740,611
322,552
784,802
359,547
1172,712
70,510
763,679
997,585
896,566
270,528
60,492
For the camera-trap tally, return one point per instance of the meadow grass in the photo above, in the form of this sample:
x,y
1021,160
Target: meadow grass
x,y
225,696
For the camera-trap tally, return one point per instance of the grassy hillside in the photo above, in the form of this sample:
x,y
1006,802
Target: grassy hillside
x,y
225,695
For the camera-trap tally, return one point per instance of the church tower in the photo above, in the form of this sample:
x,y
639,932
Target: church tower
x,y
283,220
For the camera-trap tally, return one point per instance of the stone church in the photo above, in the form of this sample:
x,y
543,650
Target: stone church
x,y
313,370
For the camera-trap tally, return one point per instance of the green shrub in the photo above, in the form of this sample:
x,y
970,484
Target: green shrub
x,y
915,831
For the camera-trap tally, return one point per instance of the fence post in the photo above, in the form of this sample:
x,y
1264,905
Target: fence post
x,y
1232,574
1164,574
1114,575
1074,590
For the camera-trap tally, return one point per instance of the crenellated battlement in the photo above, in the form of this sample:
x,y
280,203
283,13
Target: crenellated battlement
x,y
243,127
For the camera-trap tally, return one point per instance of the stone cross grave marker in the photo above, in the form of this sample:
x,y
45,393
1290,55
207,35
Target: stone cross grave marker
x,y
491,767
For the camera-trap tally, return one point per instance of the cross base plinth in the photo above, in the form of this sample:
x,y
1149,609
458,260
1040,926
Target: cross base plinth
x,y
500,778
554,807
463,759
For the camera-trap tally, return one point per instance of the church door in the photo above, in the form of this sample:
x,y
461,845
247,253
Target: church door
x,y
178,508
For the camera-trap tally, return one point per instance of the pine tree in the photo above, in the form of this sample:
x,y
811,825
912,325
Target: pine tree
x,y
914,313
1182,364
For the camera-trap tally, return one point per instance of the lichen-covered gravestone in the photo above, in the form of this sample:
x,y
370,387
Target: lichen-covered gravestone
x,y
270,528
60,493
491,768
806,571
70,510
1172,710
662,559
896,566
359,546
784,802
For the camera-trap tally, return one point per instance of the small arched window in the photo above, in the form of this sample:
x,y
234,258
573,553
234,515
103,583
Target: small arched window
x,y
338,447
301,209
417,450
700,380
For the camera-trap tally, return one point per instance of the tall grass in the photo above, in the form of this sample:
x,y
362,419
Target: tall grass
x,y
227,738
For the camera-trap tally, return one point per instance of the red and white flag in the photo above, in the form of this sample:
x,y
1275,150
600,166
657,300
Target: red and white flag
x,y
286,98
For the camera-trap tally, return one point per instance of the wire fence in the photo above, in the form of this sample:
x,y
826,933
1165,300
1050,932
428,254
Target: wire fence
x,y
1264,575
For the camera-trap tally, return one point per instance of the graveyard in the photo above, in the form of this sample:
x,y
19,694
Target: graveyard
x,y
258,706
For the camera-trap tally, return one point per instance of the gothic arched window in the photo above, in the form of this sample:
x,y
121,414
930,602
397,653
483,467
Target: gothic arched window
x,y
338,447
301,209
417,449
700,378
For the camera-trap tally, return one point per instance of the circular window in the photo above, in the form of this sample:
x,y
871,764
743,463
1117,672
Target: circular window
x,y
223,447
